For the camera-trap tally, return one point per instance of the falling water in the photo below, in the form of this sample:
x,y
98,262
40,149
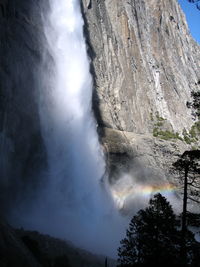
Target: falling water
x,y
75,203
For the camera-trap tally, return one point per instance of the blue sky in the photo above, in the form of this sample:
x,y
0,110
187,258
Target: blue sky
x,y
193,18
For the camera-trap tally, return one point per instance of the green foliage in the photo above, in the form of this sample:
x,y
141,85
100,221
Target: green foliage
x,y
166,135
195,105
155,132
158,117
194,132
187,137
195,129
194,148
159,124
192,136
152,237
188,168
151,116
188,140
163,134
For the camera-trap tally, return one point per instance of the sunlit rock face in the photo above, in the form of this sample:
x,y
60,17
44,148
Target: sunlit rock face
x,y
145,65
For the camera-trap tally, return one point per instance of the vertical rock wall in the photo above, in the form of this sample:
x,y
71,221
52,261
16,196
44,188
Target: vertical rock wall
x,y
22,154
145,65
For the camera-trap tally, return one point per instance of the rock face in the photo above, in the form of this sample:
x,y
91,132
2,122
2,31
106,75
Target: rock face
x,y
145,65
13,251
22,153
20,248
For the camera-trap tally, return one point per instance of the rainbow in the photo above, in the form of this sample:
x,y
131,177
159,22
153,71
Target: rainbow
x,y
123,192
152,189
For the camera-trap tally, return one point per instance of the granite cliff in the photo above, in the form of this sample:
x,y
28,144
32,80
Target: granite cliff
x,y
145,65
22,152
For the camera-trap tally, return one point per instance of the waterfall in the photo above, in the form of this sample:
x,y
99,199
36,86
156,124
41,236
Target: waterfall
x,y
75,204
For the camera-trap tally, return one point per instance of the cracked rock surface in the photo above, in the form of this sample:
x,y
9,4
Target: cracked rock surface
x,y
145,65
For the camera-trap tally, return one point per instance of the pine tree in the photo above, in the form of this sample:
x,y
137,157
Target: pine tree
x,y
188,167
152,237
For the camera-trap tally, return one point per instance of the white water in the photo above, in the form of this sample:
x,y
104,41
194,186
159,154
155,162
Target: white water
x,y
76,204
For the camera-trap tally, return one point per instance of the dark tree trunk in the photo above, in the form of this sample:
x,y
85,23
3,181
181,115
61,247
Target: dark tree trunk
x,y
184,215
184,218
